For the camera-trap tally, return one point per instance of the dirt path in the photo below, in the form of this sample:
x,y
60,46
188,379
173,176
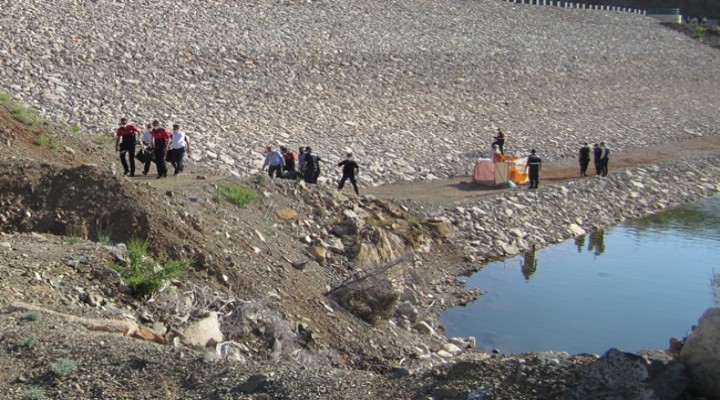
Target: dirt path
x,y
447,191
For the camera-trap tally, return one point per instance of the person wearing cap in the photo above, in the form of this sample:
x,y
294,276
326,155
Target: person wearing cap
x,y
349,170
274,162
125,140
179,144
160,143
534,162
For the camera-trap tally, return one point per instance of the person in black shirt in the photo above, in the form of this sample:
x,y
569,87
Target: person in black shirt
x,y
597,152
584,158
533,162
350,168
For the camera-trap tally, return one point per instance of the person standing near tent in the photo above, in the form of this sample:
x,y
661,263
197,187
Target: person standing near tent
x,y
125,140
584,159
499,141
533,162
160,144
604,159
597,152
349,171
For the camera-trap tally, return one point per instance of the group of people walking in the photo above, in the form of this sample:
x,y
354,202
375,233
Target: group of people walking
x,y
281,163
600,156
158,145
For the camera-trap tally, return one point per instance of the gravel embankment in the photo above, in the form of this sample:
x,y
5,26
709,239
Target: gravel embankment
x,y
415,88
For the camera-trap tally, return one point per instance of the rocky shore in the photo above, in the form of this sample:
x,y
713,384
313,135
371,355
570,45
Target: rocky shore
x,y
514,221
414,89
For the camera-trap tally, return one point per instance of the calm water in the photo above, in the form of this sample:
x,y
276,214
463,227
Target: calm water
x,y
631,287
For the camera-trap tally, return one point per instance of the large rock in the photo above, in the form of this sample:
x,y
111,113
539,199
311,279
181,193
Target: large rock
x,y
701,354
627,376
204,332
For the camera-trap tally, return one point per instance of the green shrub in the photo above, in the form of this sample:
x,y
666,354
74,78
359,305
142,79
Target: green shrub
x,y
5,98
143,276
237,194
30,342
73,233
42,140
33,393
24,114
31,316
699,32
75,128
63,367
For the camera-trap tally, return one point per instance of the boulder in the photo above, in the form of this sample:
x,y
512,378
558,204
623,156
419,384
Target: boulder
x,y
286,214
203,332
620,375
701,354
319,253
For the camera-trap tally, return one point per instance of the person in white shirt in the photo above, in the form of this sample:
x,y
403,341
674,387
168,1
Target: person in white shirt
x,y
179,144
147,141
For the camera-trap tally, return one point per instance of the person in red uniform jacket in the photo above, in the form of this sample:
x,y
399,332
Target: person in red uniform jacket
x,y
125,139
161,141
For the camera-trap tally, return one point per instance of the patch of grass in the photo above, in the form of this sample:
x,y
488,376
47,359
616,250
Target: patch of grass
x,y
53,145
104,234
144,276
31,316
19,111
63,367
236,194
42,140
73,233
699,32
101,138
29,342
33,393
75,128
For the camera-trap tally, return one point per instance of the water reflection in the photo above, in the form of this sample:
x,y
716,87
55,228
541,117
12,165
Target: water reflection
x,y
597,242
528,266
580,243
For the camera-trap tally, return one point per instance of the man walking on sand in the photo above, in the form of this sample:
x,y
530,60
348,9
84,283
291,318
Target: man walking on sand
x,y
125,140
604,159
534,163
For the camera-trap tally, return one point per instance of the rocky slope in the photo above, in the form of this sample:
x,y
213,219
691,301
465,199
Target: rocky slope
x,y
415,89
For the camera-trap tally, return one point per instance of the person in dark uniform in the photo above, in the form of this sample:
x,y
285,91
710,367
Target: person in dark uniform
x,y
125,139
584,159
161,143
533,162
350,169
499,141
604,158
597,152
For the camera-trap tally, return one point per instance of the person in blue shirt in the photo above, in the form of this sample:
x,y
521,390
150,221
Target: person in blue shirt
x,y
274,162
